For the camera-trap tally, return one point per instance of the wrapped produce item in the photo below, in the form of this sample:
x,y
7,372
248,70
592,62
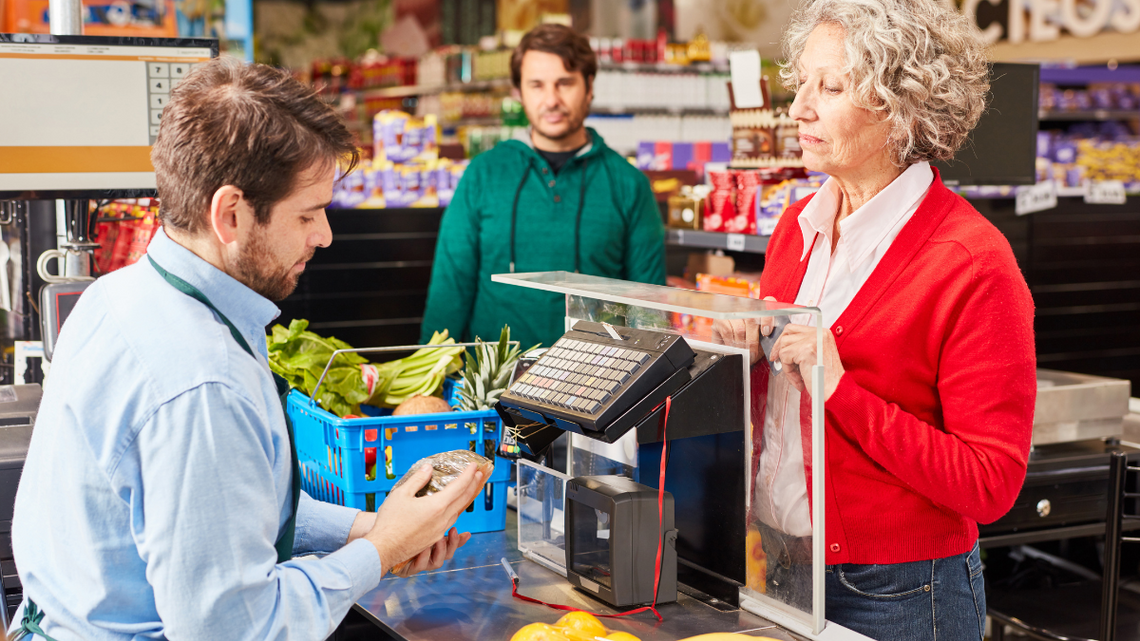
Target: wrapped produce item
x,y
445,468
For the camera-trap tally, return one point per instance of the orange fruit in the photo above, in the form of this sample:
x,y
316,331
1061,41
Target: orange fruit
x,y
583,622
539,632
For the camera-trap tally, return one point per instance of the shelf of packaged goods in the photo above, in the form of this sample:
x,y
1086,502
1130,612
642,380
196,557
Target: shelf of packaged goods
x,y
663,67
420,90
658,111
1062,192
749,243
474,121
1090,114
1086,75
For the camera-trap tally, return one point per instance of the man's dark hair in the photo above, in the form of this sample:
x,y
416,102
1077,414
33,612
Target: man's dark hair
x,y
250,126
562,41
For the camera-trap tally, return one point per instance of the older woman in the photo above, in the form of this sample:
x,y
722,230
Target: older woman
x,y
930,381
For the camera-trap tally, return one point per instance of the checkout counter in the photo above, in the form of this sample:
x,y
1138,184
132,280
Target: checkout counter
x,y
606,383
721,582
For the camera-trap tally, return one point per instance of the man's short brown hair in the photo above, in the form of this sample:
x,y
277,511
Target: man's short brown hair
x,y
562,41
250,126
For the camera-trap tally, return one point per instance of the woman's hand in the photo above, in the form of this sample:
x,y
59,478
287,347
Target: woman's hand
x,y
742,332
796,349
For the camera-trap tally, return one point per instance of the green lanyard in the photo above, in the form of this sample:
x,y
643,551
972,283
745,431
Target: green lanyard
x,y
284,543
30,624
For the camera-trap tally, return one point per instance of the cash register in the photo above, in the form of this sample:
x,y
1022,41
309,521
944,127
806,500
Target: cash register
x,y
604,381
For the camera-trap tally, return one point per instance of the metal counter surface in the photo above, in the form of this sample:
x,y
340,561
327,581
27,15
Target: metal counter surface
x,y
470,598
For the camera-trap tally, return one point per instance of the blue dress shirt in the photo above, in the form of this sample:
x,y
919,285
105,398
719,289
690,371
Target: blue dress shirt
x,y
158,476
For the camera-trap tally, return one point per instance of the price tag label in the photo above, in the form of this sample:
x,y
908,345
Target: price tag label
x,y
736,242
1105,192
1039,197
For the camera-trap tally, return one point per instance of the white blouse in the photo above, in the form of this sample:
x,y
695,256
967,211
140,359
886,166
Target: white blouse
x,y
831,282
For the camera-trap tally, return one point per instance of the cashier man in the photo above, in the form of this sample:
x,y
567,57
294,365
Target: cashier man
x,y
160,497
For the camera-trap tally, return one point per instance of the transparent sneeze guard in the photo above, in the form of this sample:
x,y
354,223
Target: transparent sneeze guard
x,y
744,483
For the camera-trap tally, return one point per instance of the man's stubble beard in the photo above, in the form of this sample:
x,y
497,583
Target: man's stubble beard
x,y
255,269
576,125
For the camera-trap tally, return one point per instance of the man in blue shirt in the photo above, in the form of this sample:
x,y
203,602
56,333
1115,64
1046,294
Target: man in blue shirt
x,y
158,498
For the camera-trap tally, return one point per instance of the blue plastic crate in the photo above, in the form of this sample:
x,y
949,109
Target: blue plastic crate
x,y
332,451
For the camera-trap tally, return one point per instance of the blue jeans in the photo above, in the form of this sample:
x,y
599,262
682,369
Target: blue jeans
x,y
943,599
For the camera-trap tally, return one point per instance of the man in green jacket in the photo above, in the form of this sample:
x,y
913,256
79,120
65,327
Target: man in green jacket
x,y
565,201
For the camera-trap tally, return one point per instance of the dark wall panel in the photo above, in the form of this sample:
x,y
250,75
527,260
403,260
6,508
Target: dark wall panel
x,y
369,287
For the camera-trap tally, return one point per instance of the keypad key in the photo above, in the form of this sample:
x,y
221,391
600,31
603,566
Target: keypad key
x,y
592,406
610,386
622,377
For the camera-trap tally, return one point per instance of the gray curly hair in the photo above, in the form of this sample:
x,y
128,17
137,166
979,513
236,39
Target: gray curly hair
x,y
918,61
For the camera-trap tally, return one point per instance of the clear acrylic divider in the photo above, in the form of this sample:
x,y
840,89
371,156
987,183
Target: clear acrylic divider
x,y
541,508
785,505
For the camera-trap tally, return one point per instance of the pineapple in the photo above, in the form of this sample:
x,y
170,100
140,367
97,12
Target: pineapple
x,y
486,376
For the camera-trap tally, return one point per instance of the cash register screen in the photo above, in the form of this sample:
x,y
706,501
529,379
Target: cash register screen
x,y
80,113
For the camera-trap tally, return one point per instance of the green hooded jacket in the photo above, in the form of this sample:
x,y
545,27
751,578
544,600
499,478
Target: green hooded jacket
x,y
620,235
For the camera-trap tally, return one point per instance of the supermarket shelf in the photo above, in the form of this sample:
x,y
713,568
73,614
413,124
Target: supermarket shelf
x,y
657,111
662,67
1092,114
748,243
484,121
1085,75
419,90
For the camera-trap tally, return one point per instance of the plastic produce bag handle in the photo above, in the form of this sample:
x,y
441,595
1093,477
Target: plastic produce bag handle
x,y
394,348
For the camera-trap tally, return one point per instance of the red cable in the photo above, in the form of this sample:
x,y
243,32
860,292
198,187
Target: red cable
x,y
660,542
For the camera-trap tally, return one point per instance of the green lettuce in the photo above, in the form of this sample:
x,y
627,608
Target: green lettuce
x,y
299,356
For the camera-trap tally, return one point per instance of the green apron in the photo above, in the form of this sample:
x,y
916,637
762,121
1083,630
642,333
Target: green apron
x,y
30,624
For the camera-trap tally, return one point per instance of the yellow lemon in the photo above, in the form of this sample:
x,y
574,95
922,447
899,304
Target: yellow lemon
x,y
539,632
583,622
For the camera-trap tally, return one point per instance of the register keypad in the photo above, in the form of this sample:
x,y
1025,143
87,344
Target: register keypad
x,y
579,375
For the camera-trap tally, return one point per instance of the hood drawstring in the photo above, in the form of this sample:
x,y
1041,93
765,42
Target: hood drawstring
x,y
577,221
515,213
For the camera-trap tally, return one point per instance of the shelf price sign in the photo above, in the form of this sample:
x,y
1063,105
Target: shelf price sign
x,y
735,242
1037,197
1105,192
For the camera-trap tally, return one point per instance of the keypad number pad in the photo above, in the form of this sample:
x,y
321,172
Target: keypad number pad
x,y
579,376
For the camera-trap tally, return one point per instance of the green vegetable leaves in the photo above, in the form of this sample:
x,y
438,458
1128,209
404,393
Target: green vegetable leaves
x,y
299,356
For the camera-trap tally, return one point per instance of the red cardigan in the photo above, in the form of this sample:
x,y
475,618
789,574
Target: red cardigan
x,y
928,432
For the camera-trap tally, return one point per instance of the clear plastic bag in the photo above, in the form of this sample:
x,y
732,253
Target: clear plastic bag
x,y
445,468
